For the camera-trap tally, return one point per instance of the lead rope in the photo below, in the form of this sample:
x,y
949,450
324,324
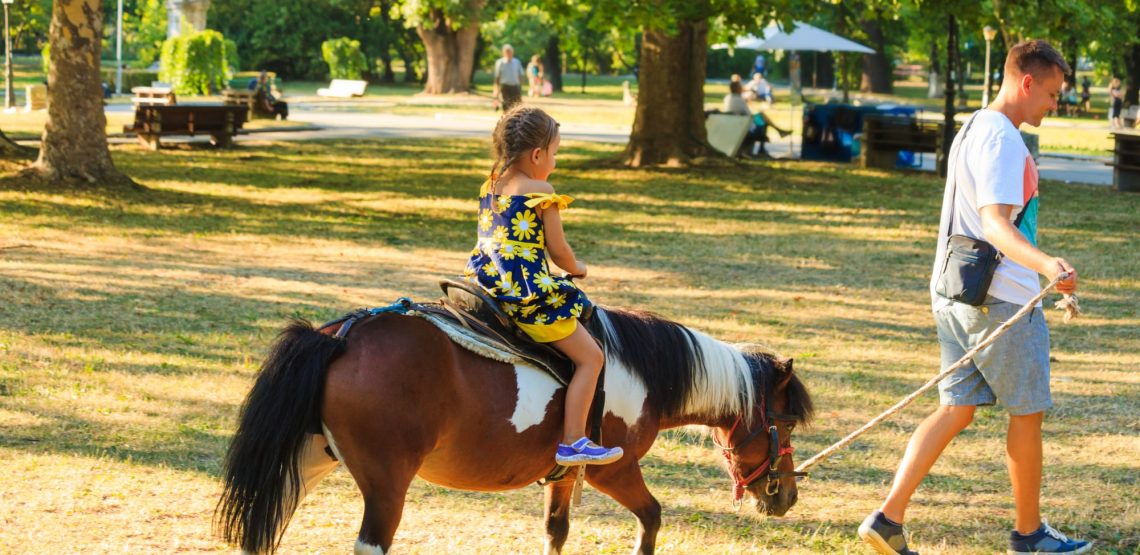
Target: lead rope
x,y
1068,304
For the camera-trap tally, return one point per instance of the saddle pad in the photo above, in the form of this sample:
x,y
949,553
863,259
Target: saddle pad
x,y
479,344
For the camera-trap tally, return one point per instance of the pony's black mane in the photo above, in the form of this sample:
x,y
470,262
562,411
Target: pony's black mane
x,y
668,360
767,371
662,353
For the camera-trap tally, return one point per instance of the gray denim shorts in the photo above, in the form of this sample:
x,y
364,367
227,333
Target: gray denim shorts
x,y
1013,370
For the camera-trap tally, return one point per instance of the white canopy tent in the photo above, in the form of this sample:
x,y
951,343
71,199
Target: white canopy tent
x,y
801,37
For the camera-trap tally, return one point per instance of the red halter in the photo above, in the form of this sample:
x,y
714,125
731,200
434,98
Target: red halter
x,y
742,482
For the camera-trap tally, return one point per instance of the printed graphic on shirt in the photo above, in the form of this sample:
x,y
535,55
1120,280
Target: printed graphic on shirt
x,y
1028,226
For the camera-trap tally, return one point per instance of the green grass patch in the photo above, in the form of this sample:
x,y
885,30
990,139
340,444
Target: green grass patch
x,y
131,327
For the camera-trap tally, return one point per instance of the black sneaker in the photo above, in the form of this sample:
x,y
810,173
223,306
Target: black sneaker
x,y
886,536
1045,540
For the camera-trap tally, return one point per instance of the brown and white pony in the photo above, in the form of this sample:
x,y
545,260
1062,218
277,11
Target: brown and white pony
x,y
397,398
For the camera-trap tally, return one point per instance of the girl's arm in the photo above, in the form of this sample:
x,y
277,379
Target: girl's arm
x,y
556,245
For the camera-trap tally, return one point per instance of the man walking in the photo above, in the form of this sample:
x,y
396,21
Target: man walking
x,y
991,194
509,76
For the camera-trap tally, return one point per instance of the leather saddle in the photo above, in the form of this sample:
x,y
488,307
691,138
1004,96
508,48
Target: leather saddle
x,y
472,307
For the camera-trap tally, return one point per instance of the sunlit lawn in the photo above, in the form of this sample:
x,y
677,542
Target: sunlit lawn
x,y
130,329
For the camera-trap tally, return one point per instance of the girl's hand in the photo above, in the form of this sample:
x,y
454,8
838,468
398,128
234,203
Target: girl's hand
x,y
580,271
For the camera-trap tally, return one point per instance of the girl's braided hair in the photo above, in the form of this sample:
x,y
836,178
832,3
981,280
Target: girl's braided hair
x,y
520,130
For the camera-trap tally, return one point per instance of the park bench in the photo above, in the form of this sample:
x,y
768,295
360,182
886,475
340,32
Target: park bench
x,y
153,96
1126,161
343,88
885,136
219,121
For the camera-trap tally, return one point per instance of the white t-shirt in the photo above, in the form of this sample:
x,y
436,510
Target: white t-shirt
x,y
993,166
735,104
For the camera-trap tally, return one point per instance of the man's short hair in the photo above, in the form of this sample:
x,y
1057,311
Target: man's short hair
x,y
508,47
1035,57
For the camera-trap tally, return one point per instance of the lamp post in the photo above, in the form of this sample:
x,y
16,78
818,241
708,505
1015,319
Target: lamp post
x,y
9,95
989,33
119,52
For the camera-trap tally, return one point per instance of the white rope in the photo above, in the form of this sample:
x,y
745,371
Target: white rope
x,y
1069,304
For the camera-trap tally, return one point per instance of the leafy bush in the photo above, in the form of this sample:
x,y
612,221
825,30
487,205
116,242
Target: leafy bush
x,y
131,77
344,58
196,62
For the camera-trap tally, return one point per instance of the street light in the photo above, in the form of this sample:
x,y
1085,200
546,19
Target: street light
x,y
989,33
119,52
9,95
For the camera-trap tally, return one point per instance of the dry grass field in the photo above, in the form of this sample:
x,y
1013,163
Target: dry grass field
x,y
131,327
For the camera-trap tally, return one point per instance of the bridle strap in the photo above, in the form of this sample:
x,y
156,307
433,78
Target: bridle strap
x,y
767,466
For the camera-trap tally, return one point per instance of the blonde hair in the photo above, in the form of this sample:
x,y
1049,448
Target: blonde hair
x,y
520,130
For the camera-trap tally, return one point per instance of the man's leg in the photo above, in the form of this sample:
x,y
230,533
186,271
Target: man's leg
x,y
1023,456
926,445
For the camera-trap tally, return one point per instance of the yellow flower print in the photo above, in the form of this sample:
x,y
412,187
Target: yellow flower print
x,y
530,254
544,282
476,250
490,269
509,308
556,300
500,234
525,273
485,220
523,225
508,287
526,310
540,319
508,251
529,298
541,239
504,202
577,310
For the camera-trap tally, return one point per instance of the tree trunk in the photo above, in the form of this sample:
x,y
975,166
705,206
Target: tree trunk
x,y
877,77
450,52
824,70
1071,48
669,126
75,137
9,150
408,56
948,113
1132,87
552,63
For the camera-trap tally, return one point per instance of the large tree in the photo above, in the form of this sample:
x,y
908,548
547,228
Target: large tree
x,y
449,30
75,138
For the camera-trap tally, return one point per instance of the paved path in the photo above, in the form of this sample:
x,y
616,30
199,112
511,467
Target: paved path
x,y
335,124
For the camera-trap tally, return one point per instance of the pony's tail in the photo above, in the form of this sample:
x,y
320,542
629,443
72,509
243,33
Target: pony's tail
x,y
262,469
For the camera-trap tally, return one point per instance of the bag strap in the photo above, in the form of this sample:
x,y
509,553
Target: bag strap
x,y
952,169
955,149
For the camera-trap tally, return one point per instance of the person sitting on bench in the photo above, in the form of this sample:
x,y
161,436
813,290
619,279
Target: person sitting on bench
x,y
267,101
734,103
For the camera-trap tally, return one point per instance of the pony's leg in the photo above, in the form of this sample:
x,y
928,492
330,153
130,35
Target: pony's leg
x,y
623,482
384,493
557,515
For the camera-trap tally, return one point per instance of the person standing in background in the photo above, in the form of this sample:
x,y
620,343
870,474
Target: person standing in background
x,y
508,78
1116,104
534,75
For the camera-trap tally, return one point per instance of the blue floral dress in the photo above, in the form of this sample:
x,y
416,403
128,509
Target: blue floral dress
x,y
509,262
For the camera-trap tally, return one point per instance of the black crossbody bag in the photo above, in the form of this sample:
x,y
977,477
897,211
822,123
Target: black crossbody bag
x,y
969,266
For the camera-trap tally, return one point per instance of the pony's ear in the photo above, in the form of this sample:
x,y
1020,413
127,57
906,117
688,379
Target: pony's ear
x,y
785,366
